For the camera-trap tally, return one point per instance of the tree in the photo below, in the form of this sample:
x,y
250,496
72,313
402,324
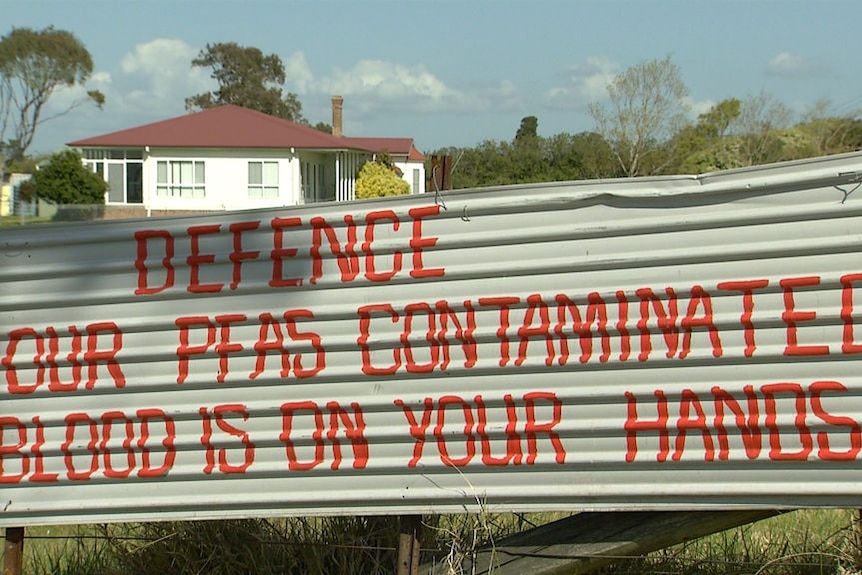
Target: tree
x,y
580,156
377,180
33,64
647,106
65,180
323,127
705,146
717,121
761,119
831,134
529,128
526,156
248,78
531,158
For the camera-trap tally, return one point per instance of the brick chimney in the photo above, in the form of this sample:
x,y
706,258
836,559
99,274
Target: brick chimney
x,y
337,105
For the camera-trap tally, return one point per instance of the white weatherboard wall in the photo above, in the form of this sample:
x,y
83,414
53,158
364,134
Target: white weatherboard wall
x,y
686,342
226,179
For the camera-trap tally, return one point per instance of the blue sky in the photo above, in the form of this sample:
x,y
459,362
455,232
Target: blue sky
x,y
451,72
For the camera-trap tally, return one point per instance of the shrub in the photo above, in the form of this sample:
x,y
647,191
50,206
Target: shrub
x,y
65,180
376,180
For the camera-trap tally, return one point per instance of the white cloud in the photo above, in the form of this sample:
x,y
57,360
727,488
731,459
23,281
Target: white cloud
x,y
65,98
696,108
387,80
101,78
792,65
373,85
152,81
158,75
584,83
298,73
505,96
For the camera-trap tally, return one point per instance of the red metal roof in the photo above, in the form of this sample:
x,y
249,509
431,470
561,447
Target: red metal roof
x,y
401,146
232,126
415,155
391,145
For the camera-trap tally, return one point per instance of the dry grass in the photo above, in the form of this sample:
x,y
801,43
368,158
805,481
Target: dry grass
x,y
800,543
805,542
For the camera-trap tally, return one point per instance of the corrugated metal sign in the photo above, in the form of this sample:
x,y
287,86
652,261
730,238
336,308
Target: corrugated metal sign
x,y
639,344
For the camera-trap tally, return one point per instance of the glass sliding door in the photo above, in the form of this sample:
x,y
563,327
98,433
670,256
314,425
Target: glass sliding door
x,y
135,183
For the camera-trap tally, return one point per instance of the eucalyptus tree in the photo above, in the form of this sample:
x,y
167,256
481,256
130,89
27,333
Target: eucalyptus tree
x,y
33,65
246,77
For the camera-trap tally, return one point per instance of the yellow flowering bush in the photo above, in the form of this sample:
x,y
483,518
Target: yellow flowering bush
x,y
376,180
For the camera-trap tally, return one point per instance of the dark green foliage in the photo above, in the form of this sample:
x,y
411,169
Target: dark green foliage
x,y
323,127
25,165
530,158
529,128
27,190
384,158
65,180
246,77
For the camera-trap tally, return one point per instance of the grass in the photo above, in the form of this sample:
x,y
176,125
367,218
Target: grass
x,y
64,550
806,542
16,220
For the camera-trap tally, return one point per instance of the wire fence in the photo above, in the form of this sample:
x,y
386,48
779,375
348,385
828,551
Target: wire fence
x,y
811,542
28,212
20,212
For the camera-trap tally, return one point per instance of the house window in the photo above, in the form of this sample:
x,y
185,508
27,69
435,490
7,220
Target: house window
x,y
180,179
122,169
262,180
415,180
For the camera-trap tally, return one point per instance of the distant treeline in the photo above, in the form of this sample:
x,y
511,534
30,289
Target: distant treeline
x,y
732,134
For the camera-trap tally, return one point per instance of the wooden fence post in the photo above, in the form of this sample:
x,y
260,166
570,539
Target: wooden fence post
x,y
14,551
409,527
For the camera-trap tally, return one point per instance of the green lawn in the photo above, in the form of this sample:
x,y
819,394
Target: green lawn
x,y
16,220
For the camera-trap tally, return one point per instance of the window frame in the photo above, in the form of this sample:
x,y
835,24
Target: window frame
x,y
268,187
107,161
172,182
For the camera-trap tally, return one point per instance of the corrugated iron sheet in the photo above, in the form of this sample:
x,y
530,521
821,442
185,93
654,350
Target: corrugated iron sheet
x,y
685,342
